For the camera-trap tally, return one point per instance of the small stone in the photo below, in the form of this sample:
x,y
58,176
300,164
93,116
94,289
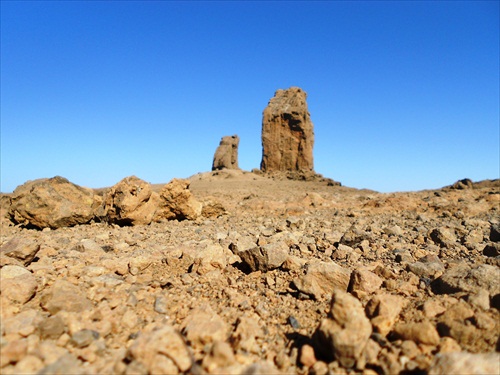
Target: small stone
x,y
221,356
247,331
64,296
266,257
130,319
293,322
383,310
67,364
463,278
480,299
364,281
495,233
13,352
30,364
204,326
18,284
22,249
260,368
465,363
307,357
23,323
157,342
295,223
432,308
422,333
443,237
293,262
321,278
428,266
177,202
52,327
84,338
492,250
448,345
345,331
403,256
320,368
161,305
88,245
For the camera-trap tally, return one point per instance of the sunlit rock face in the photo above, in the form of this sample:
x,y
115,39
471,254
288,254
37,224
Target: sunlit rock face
x,y
226,155
287,133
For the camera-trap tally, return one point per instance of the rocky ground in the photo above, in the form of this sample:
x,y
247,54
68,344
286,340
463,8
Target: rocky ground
x,y
284,277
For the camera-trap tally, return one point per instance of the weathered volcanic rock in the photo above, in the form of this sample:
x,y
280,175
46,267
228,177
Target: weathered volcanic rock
x,y
465,183
226,155
130,202
21,249
18,284
321,278
53,203
63,295
345,332
463,278
465,363
287,133
177,202
161,350
5,203
264,258
383,309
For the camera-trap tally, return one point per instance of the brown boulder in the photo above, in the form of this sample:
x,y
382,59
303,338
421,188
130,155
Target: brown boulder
x,y
130,202
287,133
177,202
53,202
226,155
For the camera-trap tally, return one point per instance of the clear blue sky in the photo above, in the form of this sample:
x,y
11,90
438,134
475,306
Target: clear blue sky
x,y
403,95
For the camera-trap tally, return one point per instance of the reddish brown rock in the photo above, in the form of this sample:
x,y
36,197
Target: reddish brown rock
x,y
364,282
321,278
161,350
177,202
383,309
422,333
5,203
465,363
18,284
130,202
53,203
20,249
64,296
287,133
344,333
204,326
226,155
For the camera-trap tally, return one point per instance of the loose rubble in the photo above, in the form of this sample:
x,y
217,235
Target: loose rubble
x,y
285,276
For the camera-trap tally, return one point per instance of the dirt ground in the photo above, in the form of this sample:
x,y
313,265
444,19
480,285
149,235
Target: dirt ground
x,y
436,251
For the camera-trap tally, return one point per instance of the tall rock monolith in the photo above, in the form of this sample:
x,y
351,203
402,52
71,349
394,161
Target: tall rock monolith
x,y
287,133
226,155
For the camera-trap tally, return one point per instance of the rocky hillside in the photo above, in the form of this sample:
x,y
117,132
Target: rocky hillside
x,y
270,276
